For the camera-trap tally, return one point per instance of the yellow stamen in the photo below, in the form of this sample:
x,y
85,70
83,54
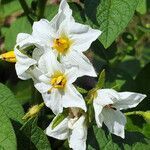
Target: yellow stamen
x,y
62,44
58,80
9,57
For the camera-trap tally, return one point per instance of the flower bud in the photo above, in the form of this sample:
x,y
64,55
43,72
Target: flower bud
x,y
33,111
9,57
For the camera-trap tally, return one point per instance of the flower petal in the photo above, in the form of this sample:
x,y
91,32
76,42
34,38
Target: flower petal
x,y
79,60
60,132
43,31
78,136
128,100
115,121
98,117
42,87
72,98
64,13
105,97
82,36
23,63
48,63
71,74
22,36
53,101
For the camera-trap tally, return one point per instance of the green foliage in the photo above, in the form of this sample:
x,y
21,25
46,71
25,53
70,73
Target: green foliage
x,y
10,105
110,16
9,109
36,135
101,80
20,25
59,119
141,7
103,140
7,135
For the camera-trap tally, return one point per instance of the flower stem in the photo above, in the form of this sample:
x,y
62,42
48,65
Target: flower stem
x,y
41,8
140,113
26,10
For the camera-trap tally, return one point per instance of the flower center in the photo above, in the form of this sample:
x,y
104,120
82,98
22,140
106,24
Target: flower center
x,y
62,44
58,80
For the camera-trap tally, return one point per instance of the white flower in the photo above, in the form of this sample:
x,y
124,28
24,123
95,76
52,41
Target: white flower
x,y
56,84
27,51
107,106
73,129
67,38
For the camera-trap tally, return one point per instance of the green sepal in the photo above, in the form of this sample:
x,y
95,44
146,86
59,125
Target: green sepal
x,y
59,119
28,50
101,80
81,90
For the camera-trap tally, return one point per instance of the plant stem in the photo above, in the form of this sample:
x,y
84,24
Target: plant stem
x,y
26,10
134,113
41,9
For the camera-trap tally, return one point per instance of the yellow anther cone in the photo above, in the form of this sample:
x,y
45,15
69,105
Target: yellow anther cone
x,y
8,56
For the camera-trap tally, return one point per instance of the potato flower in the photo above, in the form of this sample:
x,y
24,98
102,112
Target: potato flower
x,y
107,106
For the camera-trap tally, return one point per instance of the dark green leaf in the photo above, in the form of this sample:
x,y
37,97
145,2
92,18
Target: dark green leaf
x,y
10,105
7,136
110,16
36,134
100,139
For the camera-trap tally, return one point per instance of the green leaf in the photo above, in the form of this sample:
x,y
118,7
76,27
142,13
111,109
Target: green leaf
x,y
101,80
141,7
51,11
10,105
20,25
110,16
7,136
22,90
10,7
101,139
36,134
59,119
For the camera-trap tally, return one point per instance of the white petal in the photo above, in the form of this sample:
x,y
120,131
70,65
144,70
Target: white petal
x,y
43,31
115,121
78,59
48,63
53,101
22,36
128,100
42,87
60,132
77,139
72,98
71,74
105,97
45,79
64,13
82,36
98,117
64,7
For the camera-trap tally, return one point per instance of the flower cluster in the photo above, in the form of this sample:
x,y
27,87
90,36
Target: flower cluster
x,y
53,57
